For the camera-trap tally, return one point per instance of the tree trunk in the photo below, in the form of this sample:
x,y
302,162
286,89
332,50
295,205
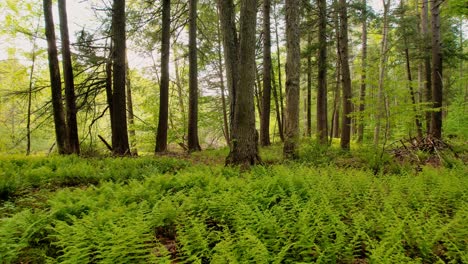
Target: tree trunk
x,y
72,125
130,115
30,90
309,88
362,94
345,76
322,115
244,149
161,136
193,142
427,60
277,106
437,84
109,84
120,144
230,43
280,75
293,60
266,99
55,81
226,130
381,102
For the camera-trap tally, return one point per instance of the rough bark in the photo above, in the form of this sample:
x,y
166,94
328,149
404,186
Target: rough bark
x,y
322,113
427,60
244,151
55,81
193,141
120,145
437,82
227,18
266,99
362,92
293,59
161,135
345,76
70,99
381,102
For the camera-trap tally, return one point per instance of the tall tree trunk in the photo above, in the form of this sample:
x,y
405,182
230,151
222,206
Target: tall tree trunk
x,y
109,84
130,114
335,123
322,113
120,144
381,104
55,81
30,91
280,75
293,64
180,96
161,136
227,18
427,60
437,84
193,142
266,99
309,88
72,124
345,75
277,106
362,94
226,130
244,149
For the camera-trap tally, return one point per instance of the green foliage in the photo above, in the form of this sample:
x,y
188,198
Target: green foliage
x,y
291,213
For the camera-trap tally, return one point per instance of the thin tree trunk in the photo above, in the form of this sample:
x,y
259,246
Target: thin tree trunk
x,y
309,88
322,108
226,130
227,18
437,82
109,84
161,136
180,96
362,95
244,149
335,123
346,77
120,144
193,141
280,78
131,116
55,81
293,65
381,102
266,99
427,60
30,90
258,91
277,106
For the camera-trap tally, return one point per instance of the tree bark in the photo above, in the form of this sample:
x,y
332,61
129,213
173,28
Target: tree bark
x,y
266,99
244,151
30,91
322,108
227,18
362,94
437,84
381,102
161,136
120,145
345,77
226,130
70,99
277,106
130,114
55,81
280,75
309,88
427,60
293,60
193,141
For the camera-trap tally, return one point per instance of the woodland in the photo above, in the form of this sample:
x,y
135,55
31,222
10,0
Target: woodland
x,y
233,131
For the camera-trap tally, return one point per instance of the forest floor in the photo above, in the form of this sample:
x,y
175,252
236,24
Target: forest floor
x,y
328,206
